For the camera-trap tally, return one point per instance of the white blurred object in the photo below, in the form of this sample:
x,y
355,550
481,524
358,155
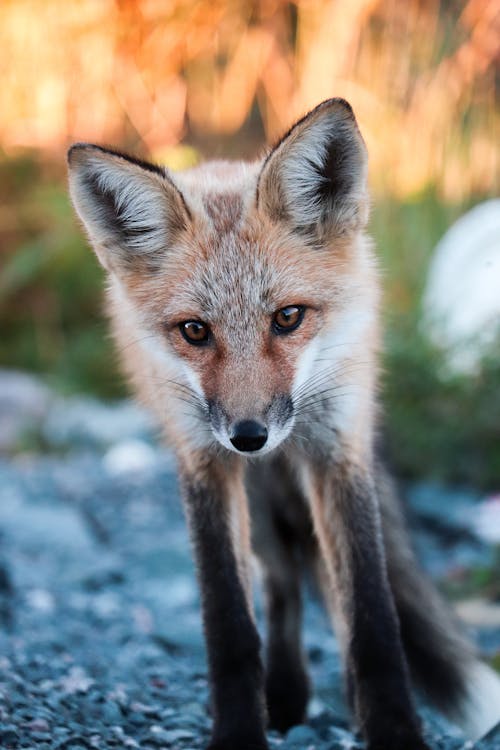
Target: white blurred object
x,y
24,403
487,520
129,456
41,600
461,302
86,422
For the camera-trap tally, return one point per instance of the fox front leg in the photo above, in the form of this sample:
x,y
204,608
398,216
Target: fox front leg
x,y
346,519
232,641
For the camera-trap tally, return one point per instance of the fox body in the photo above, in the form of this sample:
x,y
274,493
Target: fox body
x,y
244,301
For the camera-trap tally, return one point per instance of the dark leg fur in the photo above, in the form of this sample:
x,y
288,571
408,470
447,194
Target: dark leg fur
x,y
281,555
347,523
287,687
437,653
232,641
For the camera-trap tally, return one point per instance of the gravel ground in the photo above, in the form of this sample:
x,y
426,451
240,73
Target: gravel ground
x,y
100,638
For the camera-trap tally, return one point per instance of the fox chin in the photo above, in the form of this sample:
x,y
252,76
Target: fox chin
x,y
244,298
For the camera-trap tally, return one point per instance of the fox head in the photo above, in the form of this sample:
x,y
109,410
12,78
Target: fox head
x,y
235,283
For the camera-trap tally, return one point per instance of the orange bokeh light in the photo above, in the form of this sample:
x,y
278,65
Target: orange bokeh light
x,y
145,75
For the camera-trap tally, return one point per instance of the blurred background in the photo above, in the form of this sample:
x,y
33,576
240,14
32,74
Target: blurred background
x,y
179,81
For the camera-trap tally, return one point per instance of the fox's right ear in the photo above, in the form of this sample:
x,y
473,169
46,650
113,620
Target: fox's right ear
x,y
131,209
315,177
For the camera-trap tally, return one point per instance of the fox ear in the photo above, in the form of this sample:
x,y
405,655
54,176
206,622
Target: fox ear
x,y
315,178
131,209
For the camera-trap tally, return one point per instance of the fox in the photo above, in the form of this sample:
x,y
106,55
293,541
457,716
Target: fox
x,y
244,298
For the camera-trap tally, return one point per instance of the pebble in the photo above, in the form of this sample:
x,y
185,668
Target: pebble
x,y
137,719
174,735
147,710
9,737
493,737
111,712
84,668
301,736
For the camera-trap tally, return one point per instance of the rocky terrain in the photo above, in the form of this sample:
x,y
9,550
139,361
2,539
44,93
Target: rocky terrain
x,y
100,632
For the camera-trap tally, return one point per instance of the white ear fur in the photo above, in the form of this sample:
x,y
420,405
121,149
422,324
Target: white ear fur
x,y
130,209
316,176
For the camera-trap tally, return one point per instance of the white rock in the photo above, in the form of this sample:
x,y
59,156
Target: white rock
x,y
461,302
85,421
76,681
130,456
24,403
487,519
41,600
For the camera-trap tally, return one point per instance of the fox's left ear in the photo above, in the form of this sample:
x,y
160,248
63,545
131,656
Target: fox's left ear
x,y
315,178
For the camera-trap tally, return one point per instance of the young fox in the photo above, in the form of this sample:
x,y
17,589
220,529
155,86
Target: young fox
x,y
244,299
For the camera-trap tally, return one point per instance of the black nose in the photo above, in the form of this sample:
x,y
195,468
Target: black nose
x,y
248,435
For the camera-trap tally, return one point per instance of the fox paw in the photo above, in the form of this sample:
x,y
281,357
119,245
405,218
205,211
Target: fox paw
x,y
287,694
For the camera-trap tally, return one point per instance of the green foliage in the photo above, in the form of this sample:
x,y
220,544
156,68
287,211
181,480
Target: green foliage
x,y
51,321
439,425
50,286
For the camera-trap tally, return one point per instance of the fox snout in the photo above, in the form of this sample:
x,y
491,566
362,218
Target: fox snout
x,y
255,433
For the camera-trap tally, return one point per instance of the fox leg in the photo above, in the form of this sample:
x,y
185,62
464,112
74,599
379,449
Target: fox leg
x,y
287,684
279,520
347,523
233,645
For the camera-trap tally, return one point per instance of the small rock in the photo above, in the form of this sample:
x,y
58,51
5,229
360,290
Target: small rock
x,y
76,681
73,743
194,709
24,402
137,719
130,457
41,600
301,737
6,587
60,731
493,736
111,712
147,710
100,579
158,735
40,736
9,736
84,421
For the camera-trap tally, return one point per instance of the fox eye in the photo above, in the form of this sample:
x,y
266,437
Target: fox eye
x,y
195,332
288,319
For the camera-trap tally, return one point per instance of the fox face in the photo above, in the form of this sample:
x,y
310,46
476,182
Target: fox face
x,y
242,290
241,324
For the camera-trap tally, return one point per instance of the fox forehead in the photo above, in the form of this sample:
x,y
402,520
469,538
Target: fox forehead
x,y
234,259
217,177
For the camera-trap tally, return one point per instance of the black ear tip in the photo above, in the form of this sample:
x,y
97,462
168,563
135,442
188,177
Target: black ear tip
x,y
344,104
340,105
76,150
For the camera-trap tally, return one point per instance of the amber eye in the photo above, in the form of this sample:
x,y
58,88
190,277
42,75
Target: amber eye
x,y
288,319
195,332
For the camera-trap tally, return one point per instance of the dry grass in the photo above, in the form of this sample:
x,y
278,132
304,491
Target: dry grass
x,y
148,73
